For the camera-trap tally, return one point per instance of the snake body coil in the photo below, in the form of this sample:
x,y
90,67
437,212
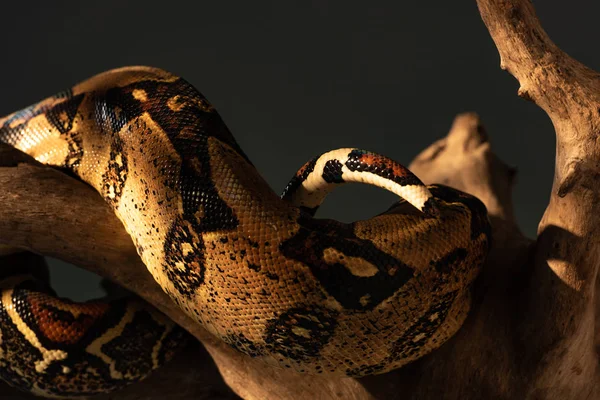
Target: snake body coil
x,y
258,271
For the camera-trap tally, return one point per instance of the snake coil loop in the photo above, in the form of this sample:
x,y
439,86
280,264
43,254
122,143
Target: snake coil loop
x,y
257,271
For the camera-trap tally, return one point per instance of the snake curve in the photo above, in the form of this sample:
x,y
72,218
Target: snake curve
x,y
257,270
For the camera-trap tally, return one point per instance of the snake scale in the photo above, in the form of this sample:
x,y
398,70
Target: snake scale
x,y
257,270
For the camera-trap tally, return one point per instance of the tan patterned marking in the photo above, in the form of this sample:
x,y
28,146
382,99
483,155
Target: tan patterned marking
x,y
95,347
49,356
356,265
140,95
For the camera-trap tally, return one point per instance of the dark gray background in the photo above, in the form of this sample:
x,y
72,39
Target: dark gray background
x,y
295,78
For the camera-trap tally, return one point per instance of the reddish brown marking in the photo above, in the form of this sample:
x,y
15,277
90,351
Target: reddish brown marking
x,y
384,163
60,331
300,172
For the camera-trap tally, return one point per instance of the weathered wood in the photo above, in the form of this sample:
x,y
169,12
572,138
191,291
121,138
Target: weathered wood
x,y
564,266
531,332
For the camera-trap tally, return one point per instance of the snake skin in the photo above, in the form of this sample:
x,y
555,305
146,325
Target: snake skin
x,y
258,271
56,348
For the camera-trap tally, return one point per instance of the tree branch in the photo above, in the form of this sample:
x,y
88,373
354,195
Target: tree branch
x,y
531,331
566,255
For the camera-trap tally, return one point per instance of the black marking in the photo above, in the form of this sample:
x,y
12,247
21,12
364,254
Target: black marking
x,y
195,118
75,150
450,262
34,110
65,94
380,166
300,177
410,345
254,267
332,172
116,174
17,353
188,129
243,344
130,349
301,332
186,281
430,208
272,276
62,115
480,222
188,126
22,299
12,135
110,116
81,373
351,291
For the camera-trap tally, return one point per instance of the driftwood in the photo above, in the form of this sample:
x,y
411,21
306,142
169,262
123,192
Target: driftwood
x,y
531,332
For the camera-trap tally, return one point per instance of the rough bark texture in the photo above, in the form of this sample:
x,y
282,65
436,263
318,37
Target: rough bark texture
x,y
531,332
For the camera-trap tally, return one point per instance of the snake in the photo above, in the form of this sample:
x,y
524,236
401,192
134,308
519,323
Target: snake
x,y
259,271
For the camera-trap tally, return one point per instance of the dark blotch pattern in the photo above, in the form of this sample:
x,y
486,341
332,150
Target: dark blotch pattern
x,y
75,150
241,343
188,129
62,115
188,280
116,173
254,267
430,207
411,344
450,261
130,349
110,117
417,335
351,291
300,177
332,172
300,333
80,373
172,344
18,354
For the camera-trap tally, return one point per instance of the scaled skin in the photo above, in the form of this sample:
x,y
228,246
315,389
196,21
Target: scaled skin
x,y
315,295
56,348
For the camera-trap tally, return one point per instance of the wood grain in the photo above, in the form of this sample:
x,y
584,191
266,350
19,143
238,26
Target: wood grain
x,y
532,331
